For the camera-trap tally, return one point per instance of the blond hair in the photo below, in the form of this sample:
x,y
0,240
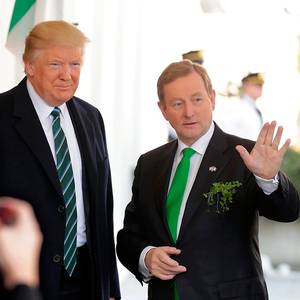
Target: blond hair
x,y
53,33
180,69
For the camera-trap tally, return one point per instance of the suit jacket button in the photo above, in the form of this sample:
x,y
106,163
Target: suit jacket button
x,y
61,208
56,258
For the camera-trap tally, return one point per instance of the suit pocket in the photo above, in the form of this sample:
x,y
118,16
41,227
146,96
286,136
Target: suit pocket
x,y
245,289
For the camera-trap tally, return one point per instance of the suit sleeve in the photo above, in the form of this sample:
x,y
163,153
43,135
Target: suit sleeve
x,y
130,239
283,204
114,278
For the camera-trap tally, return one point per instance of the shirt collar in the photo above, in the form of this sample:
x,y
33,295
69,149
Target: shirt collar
x,y
201,144
250,101
42,108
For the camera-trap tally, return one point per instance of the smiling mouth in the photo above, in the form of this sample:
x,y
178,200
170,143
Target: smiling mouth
x,y
64,87
189,124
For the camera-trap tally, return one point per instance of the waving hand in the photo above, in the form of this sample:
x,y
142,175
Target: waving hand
x,y
266,157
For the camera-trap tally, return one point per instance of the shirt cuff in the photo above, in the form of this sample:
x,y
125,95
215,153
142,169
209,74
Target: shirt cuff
x,y
268,186
142,266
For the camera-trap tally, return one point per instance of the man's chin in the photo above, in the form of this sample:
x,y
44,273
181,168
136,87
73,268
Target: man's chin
x,y
58,99
64,97
189,139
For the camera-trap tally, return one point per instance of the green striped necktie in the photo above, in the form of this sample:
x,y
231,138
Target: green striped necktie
x,y
65,174
175,196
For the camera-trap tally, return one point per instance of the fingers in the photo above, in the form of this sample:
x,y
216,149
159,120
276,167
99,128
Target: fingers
x,y
160,257
266,136
16,209
266,133
285,146
244,154
24,230
166,256
270,133
20,214
161,265
262,134
9,210
16,204
277,138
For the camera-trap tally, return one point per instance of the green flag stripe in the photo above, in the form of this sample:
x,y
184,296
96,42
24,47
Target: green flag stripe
x,y
20,9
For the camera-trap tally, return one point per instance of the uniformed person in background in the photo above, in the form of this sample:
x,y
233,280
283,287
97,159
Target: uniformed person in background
x,y
243,118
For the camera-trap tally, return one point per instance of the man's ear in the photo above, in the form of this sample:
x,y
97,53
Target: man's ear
x,y
29,68
163,108
213,99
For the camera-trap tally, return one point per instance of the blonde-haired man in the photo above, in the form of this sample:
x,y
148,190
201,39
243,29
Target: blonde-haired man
x,y
54,155
191,228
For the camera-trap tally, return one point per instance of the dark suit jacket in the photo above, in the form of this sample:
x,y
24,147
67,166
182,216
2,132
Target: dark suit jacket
x,y
28,171
220,251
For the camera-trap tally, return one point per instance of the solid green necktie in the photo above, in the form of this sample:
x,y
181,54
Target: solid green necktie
x,y
176,191
175,196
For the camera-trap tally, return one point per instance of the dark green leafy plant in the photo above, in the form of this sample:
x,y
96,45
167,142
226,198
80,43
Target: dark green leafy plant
x,y
221,194
291,167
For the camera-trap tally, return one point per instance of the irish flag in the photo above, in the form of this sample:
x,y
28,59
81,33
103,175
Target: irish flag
x,y
21,22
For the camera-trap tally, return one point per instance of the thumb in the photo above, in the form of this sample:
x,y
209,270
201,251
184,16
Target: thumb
x,y
244,154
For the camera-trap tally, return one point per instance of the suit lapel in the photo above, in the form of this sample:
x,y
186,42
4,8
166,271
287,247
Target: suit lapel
x,y
30,129
84,133
213,162
161,182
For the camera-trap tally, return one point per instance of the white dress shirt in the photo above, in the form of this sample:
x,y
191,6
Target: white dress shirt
x,y
43,111
268,186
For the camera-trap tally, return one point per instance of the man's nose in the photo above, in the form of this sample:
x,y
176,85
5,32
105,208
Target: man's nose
x,y
65,72
189,109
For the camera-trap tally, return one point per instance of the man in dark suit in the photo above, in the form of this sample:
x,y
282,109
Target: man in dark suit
x,y
53,155
199,240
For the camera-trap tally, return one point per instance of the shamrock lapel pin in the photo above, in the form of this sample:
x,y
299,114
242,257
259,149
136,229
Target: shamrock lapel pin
x,y
212,169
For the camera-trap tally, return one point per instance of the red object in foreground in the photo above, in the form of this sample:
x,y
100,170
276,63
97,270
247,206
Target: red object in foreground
x,y
7,216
